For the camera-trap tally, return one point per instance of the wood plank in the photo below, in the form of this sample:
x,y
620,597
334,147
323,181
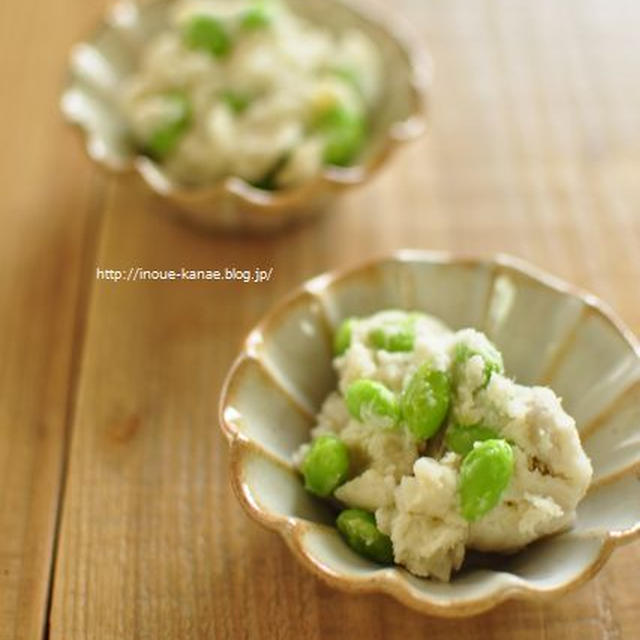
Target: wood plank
x,y
534,150
50,207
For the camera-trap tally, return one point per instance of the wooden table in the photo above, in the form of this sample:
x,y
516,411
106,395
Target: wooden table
x,y
116,516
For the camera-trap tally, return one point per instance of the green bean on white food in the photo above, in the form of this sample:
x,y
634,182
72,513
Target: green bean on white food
x,y
425,401
484,475
371,401
325,465
359,530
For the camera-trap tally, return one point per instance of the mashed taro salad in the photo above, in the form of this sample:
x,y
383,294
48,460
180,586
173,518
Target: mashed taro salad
x,y
249,89
430,449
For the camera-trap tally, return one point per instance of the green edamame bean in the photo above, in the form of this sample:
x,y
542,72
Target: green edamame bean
x,y
344,131
269,181
425,401
487,351
164,139
325,466
342,338
236,101
484,475
371,401
208,34
331,117
344,143
256,17
461,438
358,528
398,336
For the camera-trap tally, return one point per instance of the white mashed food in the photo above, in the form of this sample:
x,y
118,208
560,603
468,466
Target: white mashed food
x,y
249,89
412,485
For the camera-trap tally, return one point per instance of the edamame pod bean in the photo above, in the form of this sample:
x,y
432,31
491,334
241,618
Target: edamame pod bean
x,y
256,17
398,336
208,34
487,351
484,475
342,338
325,466
358,528
344,131
268,182
461,438
164,139
344,143
425,401
371,401
236,101
331,115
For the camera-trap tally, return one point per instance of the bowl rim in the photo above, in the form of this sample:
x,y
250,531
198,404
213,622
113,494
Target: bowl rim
x,y
330,178
390,580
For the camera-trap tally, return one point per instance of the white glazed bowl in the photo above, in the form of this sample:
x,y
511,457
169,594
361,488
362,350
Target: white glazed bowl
x,y
549,333
111,53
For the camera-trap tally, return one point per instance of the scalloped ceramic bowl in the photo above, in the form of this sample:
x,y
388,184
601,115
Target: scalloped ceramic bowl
x,y
98,65
549,333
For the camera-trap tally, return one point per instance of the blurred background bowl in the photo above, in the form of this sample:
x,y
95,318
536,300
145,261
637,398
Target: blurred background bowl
x,y
111,53
550,333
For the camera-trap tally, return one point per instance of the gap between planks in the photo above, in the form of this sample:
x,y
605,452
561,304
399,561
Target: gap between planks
x,y
102,191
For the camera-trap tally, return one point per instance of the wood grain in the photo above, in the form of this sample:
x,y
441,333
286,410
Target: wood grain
x,y
50,198
534,149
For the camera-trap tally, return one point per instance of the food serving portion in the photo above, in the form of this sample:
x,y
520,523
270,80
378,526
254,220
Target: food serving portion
x,y
249,89
430,449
